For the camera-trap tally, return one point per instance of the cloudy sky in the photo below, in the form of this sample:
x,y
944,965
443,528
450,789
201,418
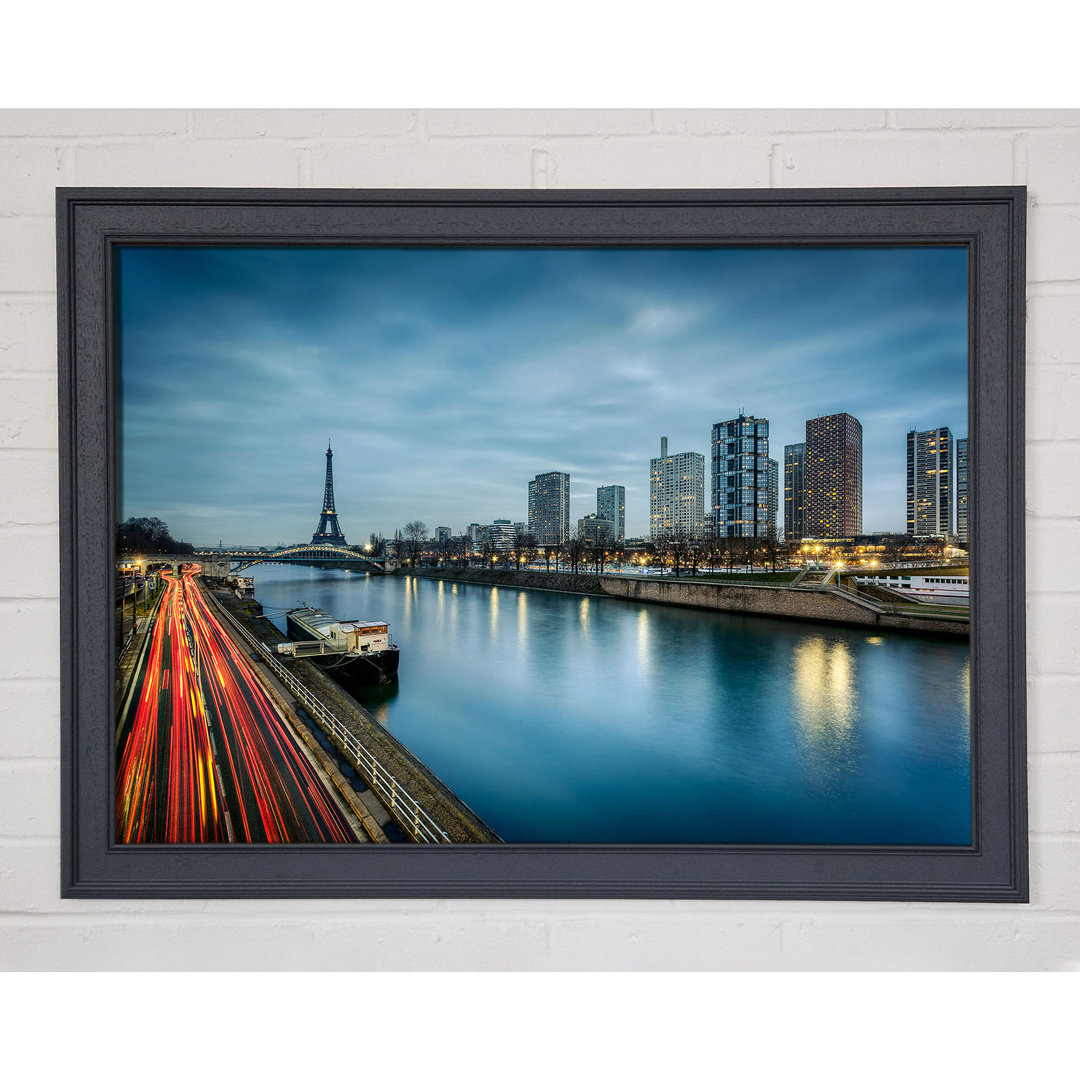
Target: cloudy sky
x,y
448,378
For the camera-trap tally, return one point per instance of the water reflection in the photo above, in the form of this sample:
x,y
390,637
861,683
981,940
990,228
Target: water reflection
x,y
825,706
964,679
523,622
643,652
594,720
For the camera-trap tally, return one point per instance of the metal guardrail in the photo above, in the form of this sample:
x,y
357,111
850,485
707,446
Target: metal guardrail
x,y
917,609
403,807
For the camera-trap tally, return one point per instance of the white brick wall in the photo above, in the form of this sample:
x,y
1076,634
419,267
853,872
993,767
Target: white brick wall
x,y
542,148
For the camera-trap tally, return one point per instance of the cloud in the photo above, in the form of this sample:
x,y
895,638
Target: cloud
x,y
448,378
664,320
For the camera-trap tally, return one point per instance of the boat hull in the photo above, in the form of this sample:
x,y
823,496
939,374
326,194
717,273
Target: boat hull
x,y
364,669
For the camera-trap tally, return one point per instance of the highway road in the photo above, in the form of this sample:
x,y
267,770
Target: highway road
x,y
204,755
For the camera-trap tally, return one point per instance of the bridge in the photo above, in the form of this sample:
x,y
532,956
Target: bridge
x,y
327,546
343,557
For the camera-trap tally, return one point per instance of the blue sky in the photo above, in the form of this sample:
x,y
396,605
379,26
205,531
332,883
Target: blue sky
x,y
447,378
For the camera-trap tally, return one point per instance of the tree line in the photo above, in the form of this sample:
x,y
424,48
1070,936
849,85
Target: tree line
x,y
148,536
679,552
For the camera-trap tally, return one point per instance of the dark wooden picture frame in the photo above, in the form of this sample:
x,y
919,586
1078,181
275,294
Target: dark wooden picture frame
x,y
989,221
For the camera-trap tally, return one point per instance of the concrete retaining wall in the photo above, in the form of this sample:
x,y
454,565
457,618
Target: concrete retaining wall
x,y
773,601
770,601
520,579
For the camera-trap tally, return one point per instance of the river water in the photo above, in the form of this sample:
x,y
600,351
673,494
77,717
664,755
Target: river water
x,y
570,719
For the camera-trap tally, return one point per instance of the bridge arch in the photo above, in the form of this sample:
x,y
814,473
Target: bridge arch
x,y
307,553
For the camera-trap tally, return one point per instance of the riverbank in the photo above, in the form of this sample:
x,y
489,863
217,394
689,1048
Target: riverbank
x,y
803,604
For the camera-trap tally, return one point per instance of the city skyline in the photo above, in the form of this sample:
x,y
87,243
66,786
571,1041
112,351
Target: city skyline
x,y
446,379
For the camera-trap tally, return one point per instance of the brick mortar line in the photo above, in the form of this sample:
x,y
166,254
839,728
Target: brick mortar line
x,y
886,912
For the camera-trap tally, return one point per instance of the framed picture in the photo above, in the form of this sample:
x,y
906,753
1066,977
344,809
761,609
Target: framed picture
x,y
543,544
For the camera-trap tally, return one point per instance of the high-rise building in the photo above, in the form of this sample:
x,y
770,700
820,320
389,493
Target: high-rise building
x,y
676,494
962,490
501,535
740,477
442,534
611,505
595,529
794,491
773,488
549,507
929,482
833,476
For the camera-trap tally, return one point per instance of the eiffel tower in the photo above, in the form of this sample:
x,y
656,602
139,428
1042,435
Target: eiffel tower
x,y
329,531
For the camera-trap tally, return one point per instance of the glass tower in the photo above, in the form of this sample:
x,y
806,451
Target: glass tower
x,y
794,491
929,482
962,490
740,478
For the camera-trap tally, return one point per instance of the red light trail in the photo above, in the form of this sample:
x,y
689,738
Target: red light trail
x,y
207,758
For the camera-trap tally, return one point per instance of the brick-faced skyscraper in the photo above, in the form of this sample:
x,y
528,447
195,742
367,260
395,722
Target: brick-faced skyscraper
x,y
833,476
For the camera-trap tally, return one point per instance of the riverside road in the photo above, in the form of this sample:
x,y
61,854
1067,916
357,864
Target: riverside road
x,y
204,755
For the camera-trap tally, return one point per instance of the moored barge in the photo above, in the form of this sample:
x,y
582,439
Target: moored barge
x,y
350,649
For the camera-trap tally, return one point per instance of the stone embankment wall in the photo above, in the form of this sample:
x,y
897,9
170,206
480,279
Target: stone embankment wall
x,y
770,601
774,601
590,584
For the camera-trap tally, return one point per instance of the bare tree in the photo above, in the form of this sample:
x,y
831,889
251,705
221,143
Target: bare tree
x,y
599,553
524,548
772,552
617,552
679,550
657,551
575,550
415,533
712,551
695,553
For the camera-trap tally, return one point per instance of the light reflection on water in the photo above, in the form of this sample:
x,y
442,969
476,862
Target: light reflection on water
x,y
826,702
566,718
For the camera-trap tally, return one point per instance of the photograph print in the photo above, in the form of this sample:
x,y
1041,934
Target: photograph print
x,y
542,545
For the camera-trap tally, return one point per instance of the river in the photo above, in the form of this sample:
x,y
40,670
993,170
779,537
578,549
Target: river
x,y
570,719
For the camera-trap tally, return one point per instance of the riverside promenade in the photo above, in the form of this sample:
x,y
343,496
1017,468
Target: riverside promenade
x,y
807,603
